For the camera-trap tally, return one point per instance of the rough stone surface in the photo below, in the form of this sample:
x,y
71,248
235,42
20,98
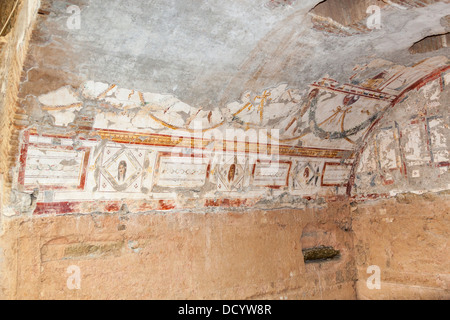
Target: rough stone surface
x,y
407,238
206,54
251,255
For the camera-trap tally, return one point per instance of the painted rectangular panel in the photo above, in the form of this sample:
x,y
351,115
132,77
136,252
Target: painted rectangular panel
x,y
388,148
368,163
438,134
53,167
416,149
306,176
271,174
335,174
179,171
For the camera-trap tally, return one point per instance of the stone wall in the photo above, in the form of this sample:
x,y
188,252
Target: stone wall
x,y
407,237
231,255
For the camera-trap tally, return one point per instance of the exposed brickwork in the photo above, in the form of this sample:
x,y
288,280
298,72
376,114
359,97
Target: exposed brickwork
x,y
13,49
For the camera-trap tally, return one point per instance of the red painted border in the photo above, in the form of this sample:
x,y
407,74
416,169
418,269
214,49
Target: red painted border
x,y
86,207
270,186
332,164
23,162
300,151
23,157
165,154
146,206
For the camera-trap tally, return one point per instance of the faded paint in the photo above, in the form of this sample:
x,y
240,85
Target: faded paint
x,y
119,156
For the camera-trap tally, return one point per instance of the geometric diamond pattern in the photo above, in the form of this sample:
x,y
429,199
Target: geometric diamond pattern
x,y
121,170
230,176
307,175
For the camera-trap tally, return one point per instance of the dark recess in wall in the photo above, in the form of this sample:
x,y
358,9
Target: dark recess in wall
x,y
320,253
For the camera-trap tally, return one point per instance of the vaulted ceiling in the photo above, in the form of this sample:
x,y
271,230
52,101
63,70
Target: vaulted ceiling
x,y
321,73
208,53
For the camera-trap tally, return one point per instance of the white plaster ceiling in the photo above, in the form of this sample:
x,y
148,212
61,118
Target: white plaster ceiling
x,y
207,53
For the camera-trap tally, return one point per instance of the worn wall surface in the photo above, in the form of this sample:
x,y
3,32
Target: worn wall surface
x,y
87,144
408,239
170,150
254,254
405,231
13,49
409,148
276,147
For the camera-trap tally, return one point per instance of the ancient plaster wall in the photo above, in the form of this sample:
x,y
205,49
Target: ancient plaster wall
x,y
67,177
278,147
253,254
409,149
347,17
114,181
405,232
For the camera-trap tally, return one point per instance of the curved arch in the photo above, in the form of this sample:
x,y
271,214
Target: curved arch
x,y
416,85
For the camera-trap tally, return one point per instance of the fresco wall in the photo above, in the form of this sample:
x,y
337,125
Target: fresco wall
x,y
409,150
103,148
154,197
